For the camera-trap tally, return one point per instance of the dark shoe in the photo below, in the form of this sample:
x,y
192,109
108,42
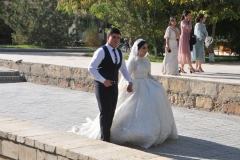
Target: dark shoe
x,y
192,70
181,70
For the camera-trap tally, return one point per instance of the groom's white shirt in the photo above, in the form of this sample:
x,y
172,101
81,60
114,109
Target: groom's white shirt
x,y
97,59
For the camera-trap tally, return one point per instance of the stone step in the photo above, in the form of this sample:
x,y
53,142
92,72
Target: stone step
x,y
9,73
7,79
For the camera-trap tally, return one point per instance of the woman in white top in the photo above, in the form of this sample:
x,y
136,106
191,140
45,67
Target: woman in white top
x,y
170,62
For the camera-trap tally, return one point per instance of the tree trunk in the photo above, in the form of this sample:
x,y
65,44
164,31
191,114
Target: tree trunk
x,y
98,26
210,48
131,42
155,46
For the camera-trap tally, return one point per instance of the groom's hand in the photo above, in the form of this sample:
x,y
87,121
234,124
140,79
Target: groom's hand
x,y
107,83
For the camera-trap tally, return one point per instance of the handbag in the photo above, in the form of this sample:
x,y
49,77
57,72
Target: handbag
x,y
192,40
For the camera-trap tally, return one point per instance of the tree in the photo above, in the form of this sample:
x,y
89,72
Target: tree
x,y
5,30
37,22
135,19
148,18
229,29
5,33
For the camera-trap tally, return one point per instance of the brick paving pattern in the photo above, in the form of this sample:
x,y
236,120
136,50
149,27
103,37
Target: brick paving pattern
x,y
202,135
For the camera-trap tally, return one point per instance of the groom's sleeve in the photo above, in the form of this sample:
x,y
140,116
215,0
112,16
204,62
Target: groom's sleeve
x,y
94,63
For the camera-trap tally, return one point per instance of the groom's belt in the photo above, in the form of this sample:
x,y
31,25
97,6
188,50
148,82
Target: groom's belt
x,y
114,82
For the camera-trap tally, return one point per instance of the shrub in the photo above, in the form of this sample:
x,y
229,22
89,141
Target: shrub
x,y
91,37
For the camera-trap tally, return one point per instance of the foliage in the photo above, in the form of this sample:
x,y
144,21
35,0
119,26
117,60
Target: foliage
x,y
91,37
37,22
135,18
5,30
216,10
5,33
228,34
160,45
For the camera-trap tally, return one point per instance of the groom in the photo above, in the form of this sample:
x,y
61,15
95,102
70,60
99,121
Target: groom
x,y
104,67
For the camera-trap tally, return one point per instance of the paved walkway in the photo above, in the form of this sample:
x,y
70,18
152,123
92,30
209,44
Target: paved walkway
x,y
202,135
220,72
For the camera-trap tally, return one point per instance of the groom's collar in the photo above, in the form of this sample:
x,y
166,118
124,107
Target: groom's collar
x,y
109,47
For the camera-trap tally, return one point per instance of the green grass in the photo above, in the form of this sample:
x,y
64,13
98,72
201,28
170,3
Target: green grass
x,y
90,48
88,55
20,46
153,59
224,58
44,47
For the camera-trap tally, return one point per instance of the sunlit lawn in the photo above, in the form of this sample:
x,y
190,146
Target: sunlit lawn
x,y
20,46
224,59
43,46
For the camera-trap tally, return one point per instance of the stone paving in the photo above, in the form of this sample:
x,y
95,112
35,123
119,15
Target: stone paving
x,y
202,135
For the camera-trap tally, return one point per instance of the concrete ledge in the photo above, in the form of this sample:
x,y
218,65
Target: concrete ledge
x,y
188,93
22,140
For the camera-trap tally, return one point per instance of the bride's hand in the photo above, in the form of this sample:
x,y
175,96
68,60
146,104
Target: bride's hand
x,y
129,88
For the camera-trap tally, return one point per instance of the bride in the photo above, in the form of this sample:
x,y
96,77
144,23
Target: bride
x,y
143,117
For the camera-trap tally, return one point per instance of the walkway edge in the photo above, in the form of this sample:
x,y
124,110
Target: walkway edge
x,y
25,140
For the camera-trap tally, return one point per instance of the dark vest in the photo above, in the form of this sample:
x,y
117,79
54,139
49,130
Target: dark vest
x,y
107,68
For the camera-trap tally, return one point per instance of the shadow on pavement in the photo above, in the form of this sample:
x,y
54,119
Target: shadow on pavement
x,y
187,148
214,75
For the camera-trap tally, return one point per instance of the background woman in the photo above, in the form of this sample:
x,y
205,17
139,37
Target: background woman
x,y
201,33
184,54
170,62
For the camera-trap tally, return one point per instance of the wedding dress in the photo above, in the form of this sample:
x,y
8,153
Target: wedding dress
x,y
143,117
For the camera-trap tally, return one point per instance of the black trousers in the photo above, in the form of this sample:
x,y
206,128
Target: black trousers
x,y
107,101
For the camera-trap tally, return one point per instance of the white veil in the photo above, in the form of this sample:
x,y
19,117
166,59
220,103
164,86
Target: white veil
x,y
134,52
130,67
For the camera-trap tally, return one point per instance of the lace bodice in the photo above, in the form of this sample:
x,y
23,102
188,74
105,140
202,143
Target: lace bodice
x,y
140,68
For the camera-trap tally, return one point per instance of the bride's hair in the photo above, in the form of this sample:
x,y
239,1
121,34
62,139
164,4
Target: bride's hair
x,y
134,51
140,44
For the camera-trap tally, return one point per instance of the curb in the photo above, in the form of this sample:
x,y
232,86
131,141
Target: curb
x,y
22,140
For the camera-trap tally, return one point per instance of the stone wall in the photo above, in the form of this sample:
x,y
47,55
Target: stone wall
x,y
202,95
49,74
